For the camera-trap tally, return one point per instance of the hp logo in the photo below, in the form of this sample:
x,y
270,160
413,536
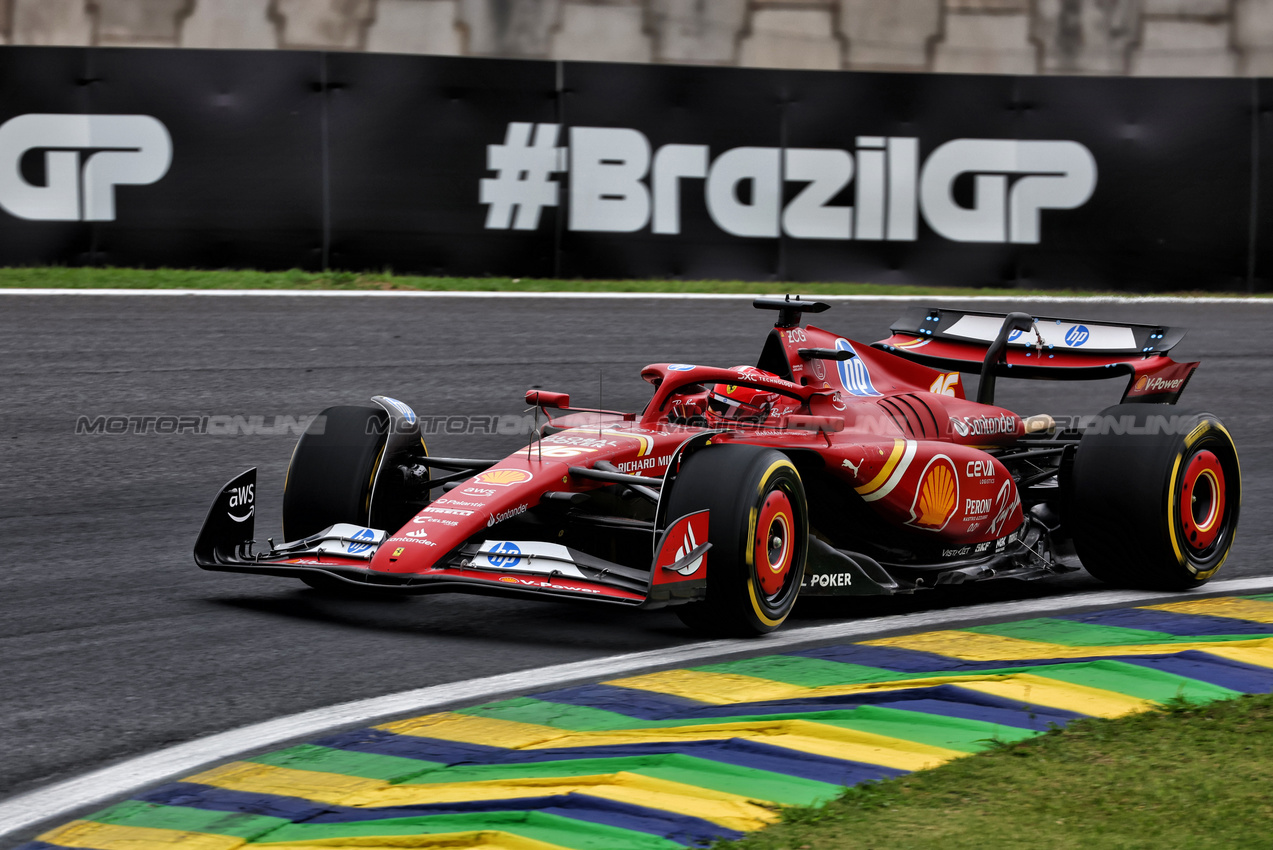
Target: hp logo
x,y
359,548
505,554
1077,335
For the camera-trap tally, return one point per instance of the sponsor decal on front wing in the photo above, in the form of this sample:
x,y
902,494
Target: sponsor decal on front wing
x,y
240,498
508,514
681,538
503,477
526,556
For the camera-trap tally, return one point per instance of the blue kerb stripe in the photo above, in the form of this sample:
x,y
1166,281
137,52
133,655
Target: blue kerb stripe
x,y
742,753
1186,625
580,806
1247,678
195,796
384,743
577,806
1005,714
945,700
907,660
910,661
631,702
736,751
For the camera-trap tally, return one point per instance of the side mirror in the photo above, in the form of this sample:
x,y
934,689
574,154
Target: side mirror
x,y
539,398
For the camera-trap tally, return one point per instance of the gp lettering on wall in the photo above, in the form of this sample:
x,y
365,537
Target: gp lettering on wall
x,y
84,158
619,184
540,169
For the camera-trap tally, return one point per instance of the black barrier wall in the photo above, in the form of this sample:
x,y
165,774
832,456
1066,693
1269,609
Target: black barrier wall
x,y
227,159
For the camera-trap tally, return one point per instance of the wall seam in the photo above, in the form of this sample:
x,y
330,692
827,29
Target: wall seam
x,y
1253,230
563,187
324,160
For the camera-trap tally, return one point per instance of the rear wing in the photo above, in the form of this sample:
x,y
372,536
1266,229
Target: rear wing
x,y
1021,345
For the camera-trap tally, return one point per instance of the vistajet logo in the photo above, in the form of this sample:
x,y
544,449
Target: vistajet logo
x,y
619,184
84,157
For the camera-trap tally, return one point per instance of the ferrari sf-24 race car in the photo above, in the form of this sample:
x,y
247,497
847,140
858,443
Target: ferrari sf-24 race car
x,y
832,467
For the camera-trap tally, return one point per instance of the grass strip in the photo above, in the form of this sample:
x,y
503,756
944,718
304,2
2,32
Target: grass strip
x,y
1186,776
61,277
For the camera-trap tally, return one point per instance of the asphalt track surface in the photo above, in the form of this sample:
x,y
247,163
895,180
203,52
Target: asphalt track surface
x,y
112,643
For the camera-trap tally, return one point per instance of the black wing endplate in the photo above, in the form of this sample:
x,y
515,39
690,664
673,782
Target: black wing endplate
x,y
230,523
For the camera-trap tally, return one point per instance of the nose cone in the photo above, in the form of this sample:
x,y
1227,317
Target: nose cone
x,y
483,501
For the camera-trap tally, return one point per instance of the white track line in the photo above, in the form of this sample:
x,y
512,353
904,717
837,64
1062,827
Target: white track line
x,y
665,296
61,800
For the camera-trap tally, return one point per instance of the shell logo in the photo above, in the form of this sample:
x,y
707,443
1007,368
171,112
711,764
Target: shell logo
x,y
1141,383
937,496
504,477
508,579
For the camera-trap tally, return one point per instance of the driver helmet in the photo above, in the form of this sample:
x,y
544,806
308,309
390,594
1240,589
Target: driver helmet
x,y
739,403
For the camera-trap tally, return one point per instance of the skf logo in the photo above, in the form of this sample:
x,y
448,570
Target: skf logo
x,y
937,495
84,158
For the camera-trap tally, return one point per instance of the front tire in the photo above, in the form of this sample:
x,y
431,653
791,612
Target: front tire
x,y
759,530
332,469
1155,507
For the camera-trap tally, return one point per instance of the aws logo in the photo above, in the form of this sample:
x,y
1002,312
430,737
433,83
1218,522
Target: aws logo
x,y
240,498
83,159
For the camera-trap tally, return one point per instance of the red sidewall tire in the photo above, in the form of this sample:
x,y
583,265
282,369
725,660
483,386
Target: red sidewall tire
x,y
754,495
1157,506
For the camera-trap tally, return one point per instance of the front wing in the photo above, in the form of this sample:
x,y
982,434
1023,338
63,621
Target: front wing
x,y
518,568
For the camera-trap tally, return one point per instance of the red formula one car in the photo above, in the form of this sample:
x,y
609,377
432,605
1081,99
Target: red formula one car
x,y
832,467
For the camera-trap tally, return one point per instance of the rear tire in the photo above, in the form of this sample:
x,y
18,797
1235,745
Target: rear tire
x,y
1156,508
332,468
759,531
